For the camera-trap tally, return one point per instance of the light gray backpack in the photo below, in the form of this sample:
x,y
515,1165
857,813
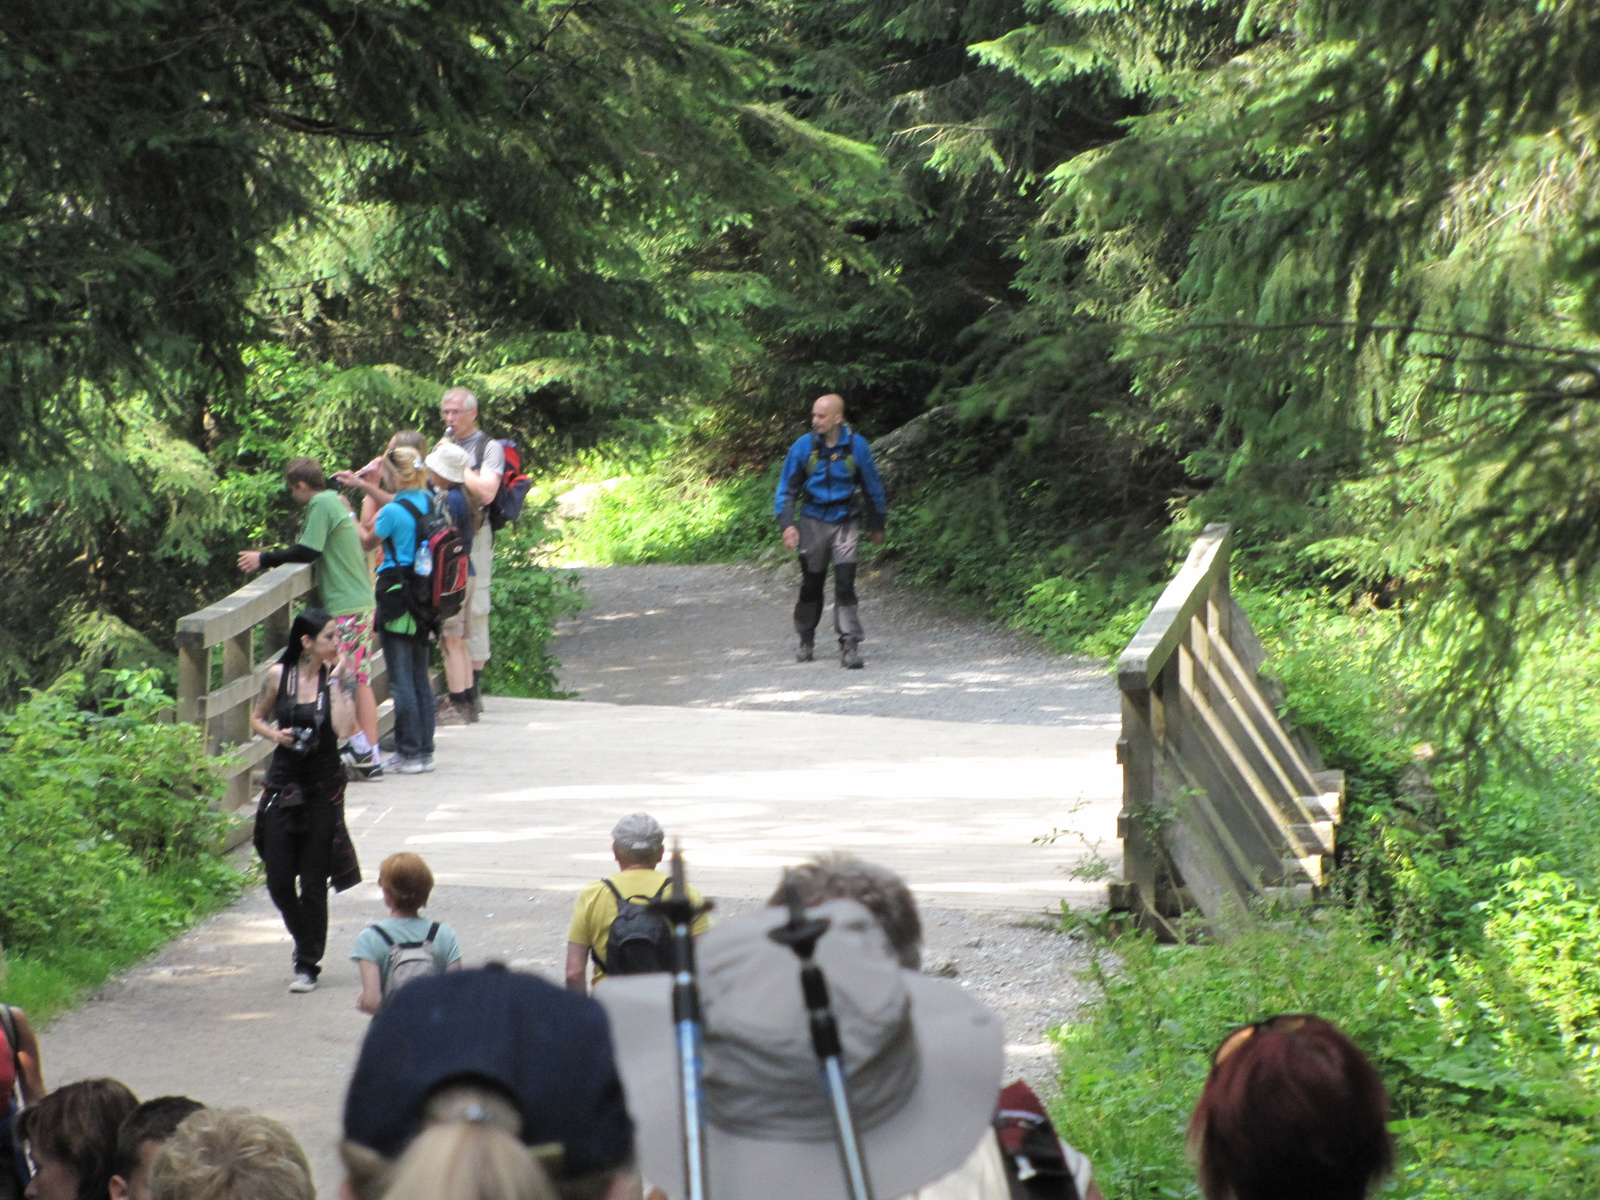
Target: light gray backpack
x,y
408,960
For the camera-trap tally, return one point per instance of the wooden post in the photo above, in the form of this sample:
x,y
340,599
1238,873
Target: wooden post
x,y
238,660
194,677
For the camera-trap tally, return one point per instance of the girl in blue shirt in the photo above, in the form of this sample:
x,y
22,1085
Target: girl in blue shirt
x,y
405,644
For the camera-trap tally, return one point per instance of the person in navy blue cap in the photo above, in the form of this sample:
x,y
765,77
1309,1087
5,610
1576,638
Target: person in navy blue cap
x,y
488,1085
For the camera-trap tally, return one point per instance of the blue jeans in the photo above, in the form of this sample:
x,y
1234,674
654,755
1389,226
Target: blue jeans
x,y
408,660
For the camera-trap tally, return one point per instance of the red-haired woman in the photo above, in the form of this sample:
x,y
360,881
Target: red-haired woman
x,y
1291,1108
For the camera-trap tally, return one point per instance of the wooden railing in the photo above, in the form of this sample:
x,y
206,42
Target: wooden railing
x,y
1220,802
247,631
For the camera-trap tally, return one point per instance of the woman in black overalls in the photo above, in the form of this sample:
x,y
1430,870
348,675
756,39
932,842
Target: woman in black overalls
x,y
305,707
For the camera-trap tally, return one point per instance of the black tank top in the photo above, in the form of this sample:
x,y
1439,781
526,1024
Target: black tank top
x,y
319,763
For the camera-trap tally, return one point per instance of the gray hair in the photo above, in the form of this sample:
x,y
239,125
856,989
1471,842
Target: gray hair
x,y
468,400
839,876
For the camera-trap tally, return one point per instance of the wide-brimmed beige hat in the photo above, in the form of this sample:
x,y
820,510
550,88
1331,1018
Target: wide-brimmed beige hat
x,y
449,461
923,1059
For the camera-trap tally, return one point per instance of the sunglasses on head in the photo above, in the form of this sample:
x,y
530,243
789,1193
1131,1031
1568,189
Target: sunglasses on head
x,y
1286,1023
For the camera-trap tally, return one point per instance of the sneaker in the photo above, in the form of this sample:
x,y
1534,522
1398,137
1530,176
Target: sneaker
x,y
849,656
304,981
427,762
361,766
806,653
409,766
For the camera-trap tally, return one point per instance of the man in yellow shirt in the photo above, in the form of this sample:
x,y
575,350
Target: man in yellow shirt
x,y
637,843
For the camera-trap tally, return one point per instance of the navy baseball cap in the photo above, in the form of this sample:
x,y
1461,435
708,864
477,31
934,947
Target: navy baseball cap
x,y
547,1049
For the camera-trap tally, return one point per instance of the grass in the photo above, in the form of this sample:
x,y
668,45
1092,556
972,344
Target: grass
x,y
655,507
48,981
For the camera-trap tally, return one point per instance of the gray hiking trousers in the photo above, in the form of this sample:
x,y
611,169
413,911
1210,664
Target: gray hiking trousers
x,y
822,542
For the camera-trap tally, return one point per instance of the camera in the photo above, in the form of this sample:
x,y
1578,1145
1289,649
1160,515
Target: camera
x,y
305,737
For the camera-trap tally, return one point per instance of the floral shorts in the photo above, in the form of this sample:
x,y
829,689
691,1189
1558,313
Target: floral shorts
x,y
355,643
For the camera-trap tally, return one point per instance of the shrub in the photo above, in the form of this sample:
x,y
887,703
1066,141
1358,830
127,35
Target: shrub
x,y
106,816
529,598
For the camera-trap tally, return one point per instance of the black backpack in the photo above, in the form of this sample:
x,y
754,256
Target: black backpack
x,y
640,941
435,581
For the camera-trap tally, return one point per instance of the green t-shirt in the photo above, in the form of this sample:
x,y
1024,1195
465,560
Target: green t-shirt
x,y
344,577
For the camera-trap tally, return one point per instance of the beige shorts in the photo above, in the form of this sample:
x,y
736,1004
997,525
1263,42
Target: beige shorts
x,y
460,625
478,621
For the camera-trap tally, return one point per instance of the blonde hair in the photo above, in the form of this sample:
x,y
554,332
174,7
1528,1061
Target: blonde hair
x,y
406,463
409,437
406,881
469,1149
230,1154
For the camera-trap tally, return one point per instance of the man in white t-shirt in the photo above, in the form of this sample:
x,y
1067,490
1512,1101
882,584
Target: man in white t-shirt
x,y
487,466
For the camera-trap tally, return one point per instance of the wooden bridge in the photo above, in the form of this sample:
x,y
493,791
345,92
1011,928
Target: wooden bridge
x,y
1221,804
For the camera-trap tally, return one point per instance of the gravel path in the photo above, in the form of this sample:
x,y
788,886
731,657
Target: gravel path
x,y
721,636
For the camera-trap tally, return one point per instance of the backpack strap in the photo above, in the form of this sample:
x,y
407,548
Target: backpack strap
x,y
416,522
8,1023
848,440
378,929
433,932
594,953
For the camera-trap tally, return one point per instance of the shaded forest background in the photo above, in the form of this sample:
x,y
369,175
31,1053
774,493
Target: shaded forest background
x,y
1326,270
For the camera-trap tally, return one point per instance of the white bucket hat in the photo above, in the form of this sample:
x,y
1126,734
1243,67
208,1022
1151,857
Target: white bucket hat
x,y
449,461
923,1060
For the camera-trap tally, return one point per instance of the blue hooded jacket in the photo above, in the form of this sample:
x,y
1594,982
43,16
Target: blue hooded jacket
x,y
828,493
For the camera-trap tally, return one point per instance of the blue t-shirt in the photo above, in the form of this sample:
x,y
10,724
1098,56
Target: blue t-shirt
x,y
373,948
398,528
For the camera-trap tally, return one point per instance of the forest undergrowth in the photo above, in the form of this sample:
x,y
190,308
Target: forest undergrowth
x,y
108,812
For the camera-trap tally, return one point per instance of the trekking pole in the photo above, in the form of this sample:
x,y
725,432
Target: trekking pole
x,y
800,935
681,913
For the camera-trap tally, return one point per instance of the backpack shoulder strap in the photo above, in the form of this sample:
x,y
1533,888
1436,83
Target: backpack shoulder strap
x,y
411,508
614,891
8,1023
378,929
433,932
662,890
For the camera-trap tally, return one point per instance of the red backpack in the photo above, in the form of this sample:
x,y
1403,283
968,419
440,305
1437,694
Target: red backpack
x,y
436,580
507,504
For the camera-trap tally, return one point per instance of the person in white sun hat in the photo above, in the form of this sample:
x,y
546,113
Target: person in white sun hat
x,y
922,1058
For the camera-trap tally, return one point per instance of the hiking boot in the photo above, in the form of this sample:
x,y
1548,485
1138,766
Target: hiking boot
x,y
447,712
806,653
304,981
849,656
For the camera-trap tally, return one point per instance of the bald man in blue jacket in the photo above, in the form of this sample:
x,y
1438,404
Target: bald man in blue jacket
x,y
829,486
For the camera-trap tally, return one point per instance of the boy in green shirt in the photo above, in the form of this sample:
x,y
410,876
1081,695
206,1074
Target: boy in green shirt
x,y
330,542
